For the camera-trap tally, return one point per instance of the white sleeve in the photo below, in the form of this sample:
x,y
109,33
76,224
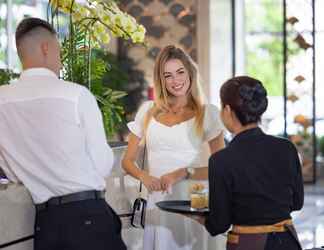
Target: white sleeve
x,y
136,126
213,124
91,122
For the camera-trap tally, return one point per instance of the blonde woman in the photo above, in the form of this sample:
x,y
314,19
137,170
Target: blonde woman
x,y
174,128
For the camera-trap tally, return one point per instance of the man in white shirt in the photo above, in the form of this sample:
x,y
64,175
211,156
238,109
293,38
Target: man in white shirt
x,y
53,141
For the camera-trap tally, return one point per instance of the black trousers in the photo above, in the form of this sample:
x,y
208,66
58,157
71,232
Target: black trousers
x,y
82,225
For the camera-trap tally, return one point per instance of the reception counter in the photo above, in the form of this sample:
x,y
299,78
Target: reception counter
x,y
17,211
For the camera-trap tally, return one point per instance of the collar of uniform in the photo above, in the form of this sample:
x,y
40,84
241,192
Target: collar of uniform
x,y
246,134
37,72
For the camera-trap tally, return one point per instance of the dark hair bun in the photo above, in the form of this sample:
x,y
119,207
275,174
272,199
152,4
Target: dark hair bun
x,y
246,96
254,99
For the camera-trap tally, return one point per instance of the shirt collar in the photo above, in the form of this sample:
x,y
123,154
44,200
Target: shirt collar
x,y
37,72
246,134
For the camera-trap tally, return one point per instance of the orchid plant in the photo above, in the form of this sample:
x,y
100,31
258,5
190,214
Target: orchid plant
x,y
92,23
101,19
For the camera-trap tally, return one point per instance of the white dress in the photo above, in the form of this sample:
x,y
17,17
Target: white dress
x,y
170,148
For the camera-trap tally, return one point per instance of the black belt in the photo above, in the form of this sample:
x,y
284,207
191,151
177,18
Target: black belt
x,y
80,196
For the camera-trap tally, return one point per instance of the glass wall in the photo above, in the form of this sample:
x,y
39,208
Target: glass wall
x,y
264,59
264,55
11,13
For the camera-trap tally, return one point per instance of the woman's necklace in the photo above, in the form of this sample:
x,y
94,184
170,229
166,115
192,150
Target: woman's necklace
x,y
177,111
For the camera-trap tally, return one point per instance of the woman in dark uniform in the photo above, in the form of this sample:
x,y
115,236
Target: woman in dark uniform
x,y
256,181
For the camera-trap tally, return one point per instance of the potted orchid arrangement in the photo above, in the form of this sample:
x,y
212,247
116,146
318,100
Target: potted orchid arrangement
x,y
91,25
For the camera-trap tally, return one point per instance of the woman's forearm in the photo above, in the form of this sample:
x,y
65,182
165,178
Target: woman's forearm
x,y
201,173
133,170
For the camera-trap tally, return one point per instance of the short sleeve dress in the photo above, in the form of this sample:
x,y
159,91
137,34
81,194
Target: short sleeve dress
x,y
170,148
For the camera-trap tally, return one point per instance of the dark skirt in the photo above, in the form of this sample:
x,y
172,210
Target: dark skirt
x,y
287,240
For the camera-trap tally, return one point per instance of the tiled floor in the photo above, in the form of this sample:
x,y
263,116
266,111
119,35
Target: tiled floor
x,y
309,221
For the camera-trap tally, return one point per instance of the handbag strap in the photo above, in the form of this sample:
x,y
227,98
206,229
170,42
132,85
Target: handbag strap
x,y
142,166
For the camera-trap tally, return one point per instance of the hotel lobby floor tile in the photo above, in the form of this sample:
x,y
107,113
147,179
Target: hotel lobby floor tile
x,y
309,221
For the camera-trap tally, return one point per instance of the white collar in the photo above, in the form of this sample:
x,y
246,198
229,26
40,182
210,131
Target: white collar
x,y
37,72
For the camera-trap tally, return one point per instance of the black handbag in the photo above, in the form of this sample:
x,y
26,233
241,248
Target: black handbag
x,y
139,206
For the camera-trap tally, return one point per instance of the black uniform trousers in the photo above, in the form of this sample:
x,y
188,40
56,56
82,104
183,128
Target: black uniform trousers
x,y
81,225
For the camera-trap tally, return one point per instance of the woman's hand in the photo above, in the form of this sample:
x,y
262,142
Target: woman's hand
x,y
150,182
169,179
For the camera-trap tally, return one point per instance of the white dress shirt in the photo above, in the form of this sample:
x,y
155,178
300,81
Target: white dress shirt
x,y
52,136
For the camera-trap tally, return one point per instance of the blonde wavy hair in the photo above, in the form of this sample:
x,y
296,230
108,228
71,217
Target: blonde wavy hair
x,y
161,95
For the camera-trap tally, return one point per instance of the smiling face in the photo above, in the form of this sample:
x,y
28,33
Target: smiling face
x,y
177,81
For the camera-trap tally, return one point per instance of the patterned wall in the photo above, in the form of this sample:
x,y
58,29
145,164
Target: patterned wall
x,y
167,22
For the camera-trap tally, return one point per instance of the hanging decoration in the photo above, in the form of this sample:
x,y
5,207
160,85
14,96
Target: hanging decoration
x,y
299,85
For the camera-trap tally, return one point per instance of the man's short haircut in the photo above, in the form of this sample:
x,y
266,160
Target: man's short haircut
x,y
29,24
